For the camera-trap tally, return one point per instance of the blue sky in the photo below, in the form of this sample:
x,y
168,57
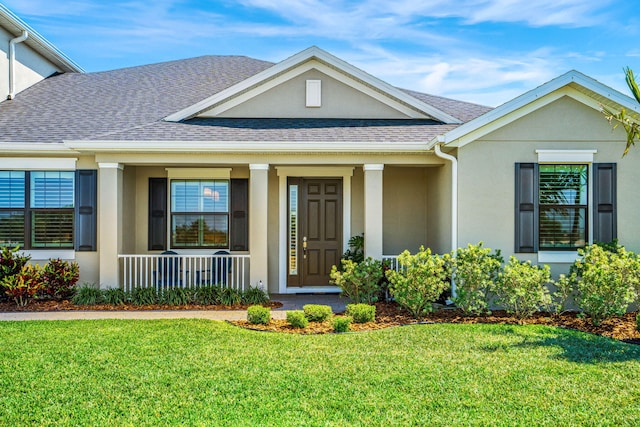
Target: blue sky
x,y
484,51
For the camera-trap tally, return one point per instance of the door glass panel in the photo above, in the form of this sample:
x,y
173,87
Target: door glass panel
x,y
293,230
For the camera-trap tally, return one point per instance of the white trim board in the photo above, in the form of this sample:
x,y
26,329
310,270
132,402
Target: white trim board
x,y
37,163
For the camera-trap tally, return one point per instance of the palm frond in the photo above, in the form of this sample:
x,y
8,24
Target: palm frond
x,y
631,82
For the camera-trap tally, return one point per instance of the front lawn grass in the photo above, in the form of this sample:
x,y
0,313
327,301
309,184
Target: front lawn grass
x,y
199,372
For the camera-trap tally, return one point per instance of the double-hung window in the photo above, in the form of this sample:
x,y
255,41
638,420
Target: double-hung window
x,y
563,206
37,209
563,214
199,213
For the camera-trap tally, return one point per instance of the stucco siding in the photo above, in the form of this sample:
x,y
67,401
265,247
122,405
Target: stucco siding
x,y
30,67
487,172
338,101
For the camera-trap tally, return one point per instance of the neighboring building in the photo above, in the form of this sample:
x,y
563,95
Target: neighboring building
x,y
280,164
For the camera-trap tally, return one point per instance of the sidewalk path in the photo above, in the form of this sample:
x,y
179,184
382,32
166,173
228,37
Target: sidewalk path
x,y
289,302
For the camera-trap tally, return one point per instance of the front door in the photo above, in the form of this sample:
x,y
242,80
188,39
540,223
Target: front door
x,y
315,230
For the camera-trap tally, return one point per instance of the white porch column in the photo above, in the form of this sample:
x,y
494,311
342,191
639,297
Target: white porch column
x,y
258,224
373,210
110,223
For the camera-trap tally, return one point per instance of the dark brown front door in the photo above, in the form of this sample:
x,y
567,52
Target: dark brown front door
x,y
319,230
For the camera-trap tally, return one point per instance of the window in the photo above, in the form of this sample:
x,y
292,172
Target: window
x,y
554,209
37,209
199,213
563,206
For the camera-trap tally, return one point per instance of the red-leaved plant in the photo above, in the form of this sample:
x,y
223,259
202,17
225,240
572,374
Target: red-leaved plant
x,y
24,285
59,278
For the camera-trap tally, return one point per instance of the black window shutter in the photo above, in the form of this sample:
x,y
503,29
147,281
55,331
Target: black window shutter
x,y
86,209
526,232
239,239
157,214
604,202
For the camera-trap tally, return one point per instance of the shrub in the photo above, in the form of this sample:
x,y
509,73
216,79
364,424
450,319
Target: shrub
x,y
521,289
87,294
11,262
638,322
297,319
24,285
475,270
144,296
317,312
355,252
114,296
258,315
342,323
255,295
605,281
420,282
564,293
60,277
177,296
230,296
360,282
362,313
208,295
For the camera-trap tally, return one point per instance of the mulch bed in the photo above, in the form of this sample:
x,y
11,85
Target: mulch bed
x,y
387,315
69,306
390,314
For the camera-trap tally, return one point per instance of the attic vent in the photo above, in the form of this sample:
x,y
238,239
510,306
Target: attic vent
x,y
314,93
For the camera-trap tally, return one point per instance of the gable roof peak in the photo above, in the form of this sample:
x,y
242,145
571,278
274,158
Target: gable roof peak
x,y
302,57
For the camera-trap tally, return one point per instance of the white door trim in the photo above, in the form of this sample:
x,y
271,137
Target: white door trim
x,y
285,172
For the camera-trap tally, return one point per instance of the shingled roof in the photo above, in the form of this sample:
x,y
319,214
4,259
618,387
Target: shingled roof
x,y
129,104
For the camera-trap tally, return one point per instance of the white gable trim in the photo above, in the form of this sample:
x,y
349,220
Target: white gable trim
x,y
533,100
227,104
341,67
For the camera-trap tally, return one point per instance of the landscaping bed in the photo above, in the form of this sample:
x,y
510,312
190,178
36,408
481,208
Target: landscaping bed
x,y
390,314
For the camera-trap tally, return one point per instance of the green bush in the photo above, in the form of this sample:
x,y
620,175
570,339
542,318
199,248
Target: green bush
x,y
87,294
297,319
564,294
638,322
422,279
230,296
355,252
255,295
144,296
342,323
176,296
521,289
23,286
317,312
258,315
362,313
208,295
605,281
360,282
59,278
114,296
475,269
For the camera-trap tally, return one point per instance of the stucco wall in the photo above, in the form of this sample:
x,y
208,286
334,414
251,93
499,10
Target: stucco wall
x,y
487,171
439,208
338,101
30,67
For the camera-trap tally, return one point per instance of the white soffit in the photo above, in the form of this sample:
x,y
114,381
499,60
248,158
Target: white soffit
x,y
573,84
312,58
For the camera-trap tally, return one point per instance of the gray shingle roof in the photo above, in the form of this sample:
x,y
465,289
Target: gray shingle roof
x,y
130,103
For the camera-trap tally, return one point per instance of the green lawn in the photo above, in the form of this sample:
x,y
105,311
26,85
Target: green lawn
x,y
199,372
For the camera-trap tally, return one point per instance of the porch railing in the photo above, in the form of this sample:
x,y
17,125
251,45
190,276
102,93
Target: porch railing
x,y
187,271
392,262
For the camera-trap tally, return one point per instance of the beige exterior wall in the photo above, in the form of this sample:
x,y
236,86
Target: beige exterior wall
x,y
487,172
30,67
439,208
338,101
